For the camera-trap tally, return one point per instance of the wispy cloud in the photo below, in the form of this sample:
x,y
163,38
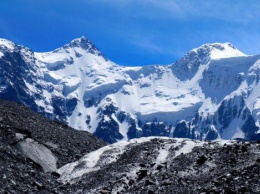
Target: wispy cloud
x,y
238,11
146,44
150,44
221,9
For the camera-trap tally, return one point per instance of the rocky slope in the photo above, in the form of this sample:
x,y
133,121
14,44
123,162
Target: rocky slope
x,y
32,147
38,155
210,93
163,165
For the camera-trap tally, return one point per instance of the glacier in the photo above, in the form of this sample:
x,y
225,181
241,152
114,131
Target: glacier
x,y
211,93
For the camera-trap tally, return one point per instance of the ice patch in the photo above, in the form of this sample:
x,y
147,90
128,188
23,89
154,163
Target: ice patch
x,y
89,162
187,146
39,154
106,118
109,154
163,153
233,130
123,127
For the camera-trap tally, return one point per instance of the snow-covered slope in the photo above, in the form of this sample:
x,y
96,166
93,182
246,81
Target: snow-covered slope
x,y
212,92
104,156
166,165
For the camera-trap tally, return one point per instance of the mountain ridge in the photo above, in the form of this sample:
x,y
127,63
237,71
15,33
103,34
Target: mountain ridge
x,y
85,43
78,85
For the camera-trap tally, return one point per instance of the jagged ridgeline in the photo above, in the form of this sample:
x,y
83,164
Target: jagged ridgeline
x,y
211,93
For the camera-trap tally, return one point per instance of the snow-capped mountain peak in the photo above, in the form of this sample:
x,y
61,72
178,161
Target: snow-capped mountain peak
x,y
6,45
84,44
219,50
188,66
76,84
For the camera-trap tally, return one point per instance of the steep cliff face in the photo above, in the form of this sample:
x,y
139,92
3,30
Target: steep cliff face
x,y
211,93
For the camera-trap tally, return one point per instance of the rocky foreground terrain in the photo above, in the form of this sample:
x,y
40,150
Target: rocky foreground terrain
x,y
38,155
163,165
32,147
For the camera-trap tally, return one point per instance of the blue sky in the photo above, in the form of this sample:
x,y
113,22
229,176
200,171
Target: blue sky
x,y
133,32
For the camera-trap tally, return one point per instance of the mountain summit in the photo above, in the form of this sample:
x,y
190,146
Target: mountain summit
x,y
219,51
210,93
84,44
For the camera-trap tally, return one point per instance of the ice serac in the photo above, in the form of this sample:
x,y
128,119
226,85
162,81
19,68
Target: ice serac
x,y
210,93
